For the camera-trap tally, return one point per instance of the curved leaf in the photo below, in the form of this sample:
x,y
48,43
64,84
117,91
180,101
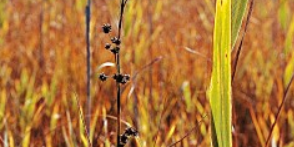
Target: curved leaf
x,y
238,10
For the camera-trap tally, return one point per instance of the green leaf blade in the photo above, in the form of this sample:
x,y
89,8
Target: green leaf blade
x,y
220,87
238,11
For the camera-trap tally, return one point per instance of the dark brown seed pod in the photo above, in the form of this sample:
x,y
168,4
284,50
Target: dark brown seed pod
x,y
120,78
129,132
103,77
107,46
115,40
115,50
127,77
106,28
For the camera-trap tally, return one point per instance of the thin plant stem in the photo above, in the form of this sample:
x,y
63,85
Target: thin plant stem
x,y
88,118
117,61
150,46
187,134
41,55
279,111
118,101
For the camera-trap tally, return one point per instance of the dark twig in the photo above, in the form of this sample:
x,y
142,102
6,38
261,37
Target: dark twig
x,y
122,8
157,59
279,111
117,60
241,43
192,130
88,119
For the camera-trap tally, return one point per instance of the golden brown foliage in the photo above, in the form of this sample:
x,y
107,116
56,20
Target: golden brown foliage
x,y
43,70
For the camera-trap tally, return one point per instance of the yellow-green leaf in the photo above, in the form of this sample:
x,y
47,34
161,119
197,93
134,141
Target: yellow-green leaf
x,y
238,11
220,87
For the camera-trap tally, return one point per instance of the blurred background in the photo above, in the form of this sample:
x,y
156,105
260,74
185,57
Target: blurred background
x,y
166,48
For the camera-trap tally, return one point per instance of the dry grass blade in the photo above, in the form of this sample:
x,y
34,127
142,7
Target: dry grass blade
x,y
43,54
160,120
279,111
192,130
197,53
83,120
147,66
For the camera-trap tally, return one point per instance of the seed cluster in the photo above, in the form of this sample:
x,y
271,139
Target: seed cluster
x,y
129,132
106,28
113,47
120,78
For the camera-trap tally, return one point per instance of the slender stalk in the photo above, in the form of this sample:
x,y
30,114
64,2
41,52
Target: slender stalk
x,y
117,60
279,111
88,118
118,101
41,56
196,128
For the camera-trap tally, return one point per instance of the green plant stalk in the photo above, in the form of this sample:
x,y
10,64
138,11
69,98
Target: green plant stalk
x,y
220,88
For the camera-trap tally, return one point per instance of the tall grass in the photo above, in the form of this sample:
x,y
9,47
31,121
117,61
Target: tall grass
x,y
41,109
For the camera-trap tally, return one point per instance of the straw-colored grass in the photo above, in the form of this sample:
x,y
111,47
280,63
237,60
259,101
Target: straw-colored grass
x,y
38,103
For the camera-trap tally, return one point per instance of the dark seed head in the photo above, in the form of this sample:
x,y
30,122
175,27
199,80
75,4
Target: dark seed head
x,y
115,40
131,132
123,81
115,50
127,77
118,77
107,46
124,138
106,28
103,77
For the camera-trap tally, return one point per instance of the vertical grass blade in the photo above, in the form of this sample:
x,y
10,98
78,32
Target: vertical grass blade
x,y
88,118
220,88
238,11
